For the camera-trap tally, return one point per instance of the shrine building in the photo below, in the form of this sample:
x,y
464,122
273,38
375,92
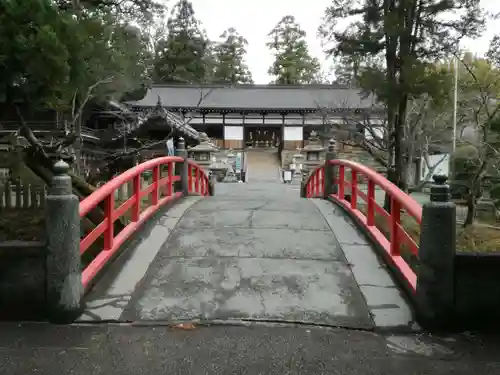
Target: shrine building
x,y
260,116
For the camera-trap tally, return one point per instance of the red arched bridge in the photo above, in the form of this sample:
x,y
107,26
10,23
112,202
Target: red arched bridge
x,y
166,248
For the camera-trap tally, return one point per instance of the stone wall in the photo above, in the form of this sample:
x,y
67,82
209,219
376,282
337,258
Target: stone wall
x,y
477,289
361,156
22,280
354,153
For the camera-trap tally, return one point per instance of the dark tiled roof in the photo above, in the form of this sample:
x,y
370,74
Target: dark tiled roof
x,y
268,97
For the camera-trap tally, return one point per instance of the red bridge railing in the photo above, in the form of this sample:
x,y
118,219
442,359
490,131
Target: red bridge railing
x,y
136,209
356,187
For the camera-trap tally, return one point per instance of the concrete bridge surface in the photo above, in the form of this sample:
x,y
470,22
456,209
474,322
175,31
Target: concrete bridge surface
x,y
253,252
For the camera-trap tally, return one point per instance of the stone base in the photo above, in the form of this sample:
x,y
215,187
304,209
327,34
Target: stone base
x,y
477,290
22,280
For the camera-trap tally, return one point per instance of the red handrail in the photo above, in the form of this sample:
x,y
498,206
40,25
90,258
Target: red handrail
x,y
399,201
161,191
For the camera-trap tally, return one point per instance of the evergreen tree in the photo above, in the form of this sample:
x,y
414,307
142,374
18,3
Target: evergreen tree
x,y
293,64
397,42
229,56
347,71
181,56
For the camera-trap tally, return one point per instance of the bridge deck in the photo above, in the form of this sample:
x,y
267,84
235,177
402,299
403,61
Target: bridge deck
x,y
253,252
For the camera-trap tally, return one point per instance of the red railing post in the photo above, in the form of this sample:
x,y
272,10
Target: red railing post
x,y
197,180
395,219
341,182
354,189
170,167
136,208
370,215
190,178
322,181
156,185
109,210
316,183
313,184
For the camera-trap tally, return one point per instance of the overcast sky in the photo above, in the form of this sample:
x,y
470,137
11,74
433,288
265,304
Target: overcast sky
x,y
254,19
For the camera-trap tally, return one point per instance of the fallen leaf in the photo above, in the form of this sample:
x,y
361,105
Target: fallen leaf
x,y
185,326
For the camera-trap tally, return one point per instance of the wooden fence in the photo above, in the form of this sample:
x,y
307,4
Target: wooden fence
x,y
21,196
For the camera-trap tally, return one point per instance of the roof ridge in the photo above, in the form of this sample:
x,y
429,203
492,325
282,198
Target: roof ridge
x,y
258,86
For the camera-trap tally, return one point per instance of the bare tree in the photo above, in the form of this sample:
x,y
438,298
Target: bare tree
x,y
426,131
482,110
74,125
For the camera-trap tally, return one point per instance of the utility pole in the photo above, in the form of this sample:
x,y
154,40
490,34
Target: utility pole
x,y
454,120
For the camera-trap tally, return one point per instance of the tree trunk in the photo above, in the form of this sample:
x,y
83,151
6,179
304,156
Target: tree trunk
x,y
399,135
471,209
475,192
391,176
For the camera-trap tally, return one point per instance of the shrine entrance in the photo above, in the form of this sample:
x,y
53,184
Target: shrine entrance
x,y
262,137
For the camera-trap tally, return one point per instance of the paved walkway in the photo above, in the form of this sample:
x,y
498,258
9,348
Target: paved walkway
x,y
253,252
257,349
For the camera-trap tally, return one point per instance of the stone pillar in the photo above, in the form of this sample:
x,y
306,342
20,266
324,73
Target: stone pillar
x,y
303,187
62,221
435,277
211,185
181,169
330,187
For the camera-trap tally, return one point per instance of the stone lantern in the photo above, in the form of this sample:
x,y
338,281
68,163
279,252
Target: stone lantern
x,y
314,152
231,157
297,163
203,152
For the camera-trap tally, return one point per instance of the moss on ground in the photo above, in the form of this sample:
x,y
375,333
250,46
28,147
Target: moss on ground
x,y
23,225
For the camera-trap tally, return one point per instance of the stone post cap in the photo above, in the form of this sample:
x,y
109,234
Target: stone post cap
x,y
331,145
440,179
440,191
61,182
61,168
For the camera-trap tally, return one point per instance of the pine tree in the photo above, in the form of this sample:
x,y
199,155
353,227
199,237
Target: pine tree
x,y
396,42
293,64
181,56
229,55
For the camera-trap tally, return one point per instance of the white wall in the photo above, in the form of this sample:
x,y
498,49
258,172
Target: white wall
x,y
293,133
233,133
